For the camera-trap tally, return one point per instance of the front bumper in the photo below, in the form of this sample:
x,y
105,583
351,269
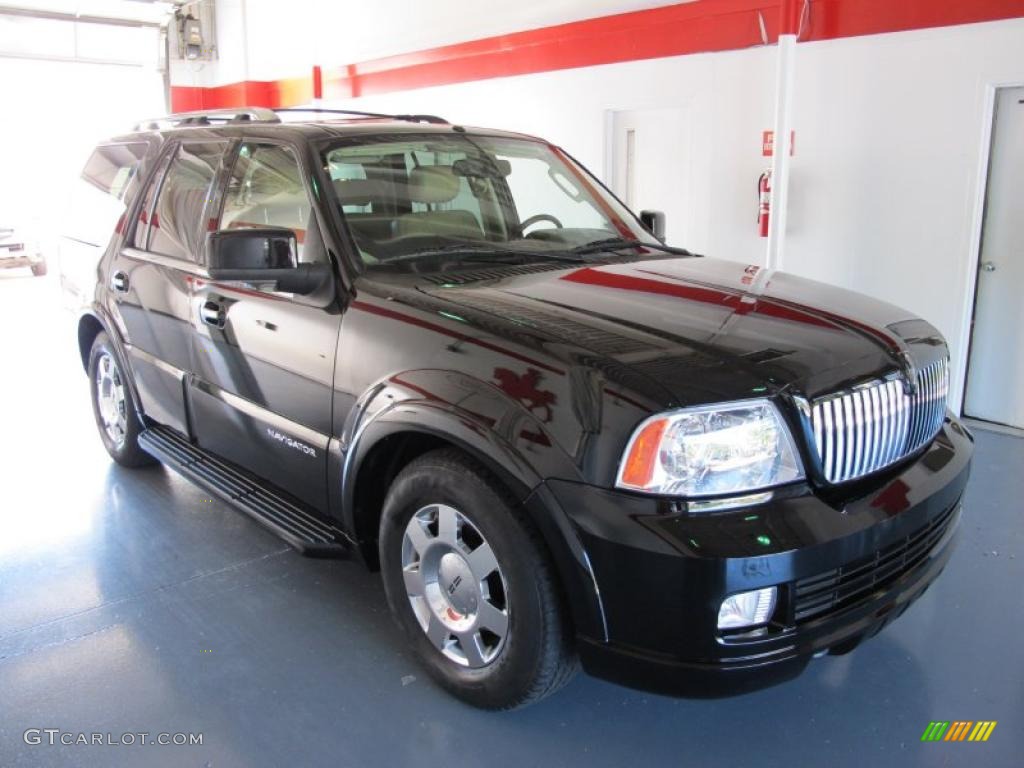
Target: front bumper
x,y
846,562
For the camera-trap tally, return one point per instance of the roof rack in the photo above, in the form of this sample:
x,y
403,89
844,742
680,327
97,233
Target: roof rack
x,y
209,117
235,115
410,118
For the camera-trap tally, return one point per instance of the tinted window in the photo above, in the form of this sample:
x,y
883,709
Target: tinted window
x,y
112,169
425,199
176,224
141,234
266,190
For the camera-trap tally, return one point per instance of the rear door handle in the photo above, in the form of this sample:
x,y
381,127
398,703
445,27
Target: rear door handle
x,y
119,282
212,313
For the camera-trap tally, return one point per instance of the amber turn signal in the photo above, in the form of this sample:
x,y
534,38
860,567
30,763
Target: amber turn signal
x,y
638,469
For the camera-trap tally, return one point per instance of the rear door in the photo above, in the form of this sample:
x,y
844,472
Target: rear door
x,y
264,361
150,280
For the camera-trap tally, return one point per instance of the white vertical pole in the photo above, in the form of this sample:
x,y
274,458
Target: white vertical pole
x,y
783,128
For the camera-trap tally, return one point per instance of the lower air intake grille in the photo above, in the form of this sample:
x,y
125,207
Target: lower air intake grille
x,y
876,424
833,590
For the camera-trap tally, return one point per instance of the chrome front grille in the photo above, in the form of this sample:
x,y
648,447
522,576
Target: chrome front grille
x,y
876,424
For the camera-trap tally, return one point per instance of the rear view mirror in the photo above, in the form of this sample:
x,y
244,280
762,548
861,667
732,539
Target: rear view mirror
x,y
654,222
266,256
482,167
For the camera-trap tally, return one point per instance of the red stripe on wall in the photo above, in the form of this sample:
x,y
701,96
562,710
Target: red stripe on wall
x,y
675,30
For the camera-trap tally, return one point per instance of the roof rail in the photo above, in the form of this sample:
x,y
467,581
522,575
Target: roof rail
x,y
263,115
410,118
208,117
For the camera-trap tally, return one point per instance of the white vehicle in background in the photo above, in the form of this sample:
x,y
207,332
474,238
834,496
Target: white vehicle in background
x,y
17,250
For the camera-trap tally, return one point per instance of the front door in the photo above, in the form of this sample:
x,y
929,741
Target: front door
x,y
995,376
264,361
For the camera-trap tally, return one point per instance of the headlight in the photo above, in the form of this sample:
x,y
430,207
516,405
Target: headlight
x,y
709,450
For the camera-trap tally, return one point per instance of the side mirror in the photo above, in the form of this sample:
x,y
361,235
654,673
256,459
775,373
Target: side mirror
x,y
654,222
266,256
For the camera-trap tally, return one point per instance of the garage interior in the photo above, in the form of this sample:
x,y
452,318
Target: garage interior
x,y
133,601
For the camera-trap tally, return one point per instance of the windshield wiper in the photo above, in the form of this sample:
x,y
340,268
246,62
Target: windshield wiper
x,y
615,243
483,253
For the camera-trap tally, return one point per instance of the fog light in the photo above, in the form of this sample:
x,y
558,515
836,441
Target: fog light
x,y
747,609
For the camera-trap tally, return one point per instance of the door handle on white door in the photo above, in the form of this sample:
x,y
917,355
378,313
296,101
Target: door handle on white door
x,y
988,266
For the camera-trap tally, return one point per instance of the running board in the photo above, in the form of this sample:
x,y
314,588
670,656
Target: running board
x,y
290,520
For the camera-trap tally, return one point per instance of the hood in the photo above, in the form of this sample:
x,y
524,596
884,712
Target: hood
x,y
703,330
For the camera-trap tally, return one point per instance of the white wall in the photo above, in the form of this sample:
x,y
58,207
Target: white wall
x,y
888,147
885,178
257,38
59,111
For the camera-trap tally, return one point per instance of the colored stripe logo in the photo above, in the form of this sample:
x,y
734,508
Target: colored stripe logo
x,y
958,730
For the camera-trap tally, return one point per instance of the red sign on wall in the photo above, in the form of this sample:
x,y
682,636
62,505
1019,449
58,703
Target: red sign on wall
x,y
768,143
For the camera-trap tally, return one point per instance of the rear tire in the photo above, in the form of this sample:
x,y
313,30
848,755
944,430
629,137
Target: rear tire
x,y
113,406
469,581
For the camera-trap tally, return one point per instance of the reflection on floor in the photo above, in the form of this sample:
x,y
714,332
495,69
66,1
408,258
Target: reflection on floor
x,y
131,602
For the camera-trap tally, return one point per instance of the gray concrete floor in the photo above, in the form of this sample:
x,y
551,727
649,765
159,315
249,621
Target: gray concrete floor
x,y
129,601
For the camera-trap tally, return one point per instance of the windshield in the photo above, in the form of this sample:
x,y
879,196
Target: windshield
x,y
420,200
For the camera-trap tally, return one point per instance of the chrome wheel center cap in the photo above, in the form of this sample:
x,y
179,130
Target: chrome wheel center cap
x,y
455,579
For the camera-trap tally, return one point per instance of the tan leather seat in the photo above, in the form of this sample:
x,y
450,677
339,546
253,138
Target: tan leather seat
x,y
461,224
435,185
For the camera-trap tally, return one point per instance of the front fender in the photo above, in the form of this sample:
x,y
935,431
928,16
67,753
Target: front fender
x,y
478,418
474,415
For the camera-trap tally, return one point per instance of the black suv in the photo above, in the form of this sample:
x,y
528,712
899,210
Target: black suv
x,y
454,354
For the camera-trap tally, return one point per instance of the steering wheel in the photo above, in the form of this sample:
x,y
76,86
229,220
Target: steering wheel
x,y
529,222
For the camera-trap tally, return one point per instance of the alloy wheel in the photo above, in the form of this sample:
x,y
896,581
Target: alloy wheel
x,y
110,399
455,586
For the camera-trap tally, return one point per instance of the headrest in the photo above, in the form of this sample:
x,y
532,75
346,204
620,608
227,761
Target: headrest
x,y
433,184
360,191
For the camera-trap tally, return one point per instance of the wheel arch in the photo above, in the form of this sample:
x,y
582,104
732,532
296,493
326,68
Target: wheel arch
x,y
396,435
90,325
393,438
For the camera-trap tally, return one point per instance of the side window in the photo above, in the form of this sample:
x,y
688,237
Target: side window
x,y
140,237
176,224
112,169
107,185
266,190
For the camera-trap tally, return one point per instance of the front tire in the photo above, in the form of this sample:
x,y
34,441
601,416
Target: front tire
x,y
469,581
38,269
113,406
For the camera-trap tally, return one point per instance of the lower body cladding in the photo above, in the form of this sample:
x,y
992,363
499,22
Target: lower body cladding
x,y
837,566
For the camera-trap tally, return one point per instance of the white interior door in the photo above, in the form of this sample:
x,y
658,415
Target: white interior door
x,y
995,376
651,166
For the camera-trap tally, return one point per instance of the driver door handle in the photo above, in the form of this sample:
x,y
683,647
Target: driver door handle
x,y
212,313
119,282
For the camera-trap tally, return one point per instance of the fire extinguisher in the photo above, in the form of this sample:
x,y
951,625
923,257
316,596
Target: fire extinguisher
x,y
764,202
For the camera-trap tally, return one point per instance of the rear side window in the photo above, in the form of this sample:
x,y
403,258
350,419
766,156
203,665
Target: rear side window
x,y
113,169
177,221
